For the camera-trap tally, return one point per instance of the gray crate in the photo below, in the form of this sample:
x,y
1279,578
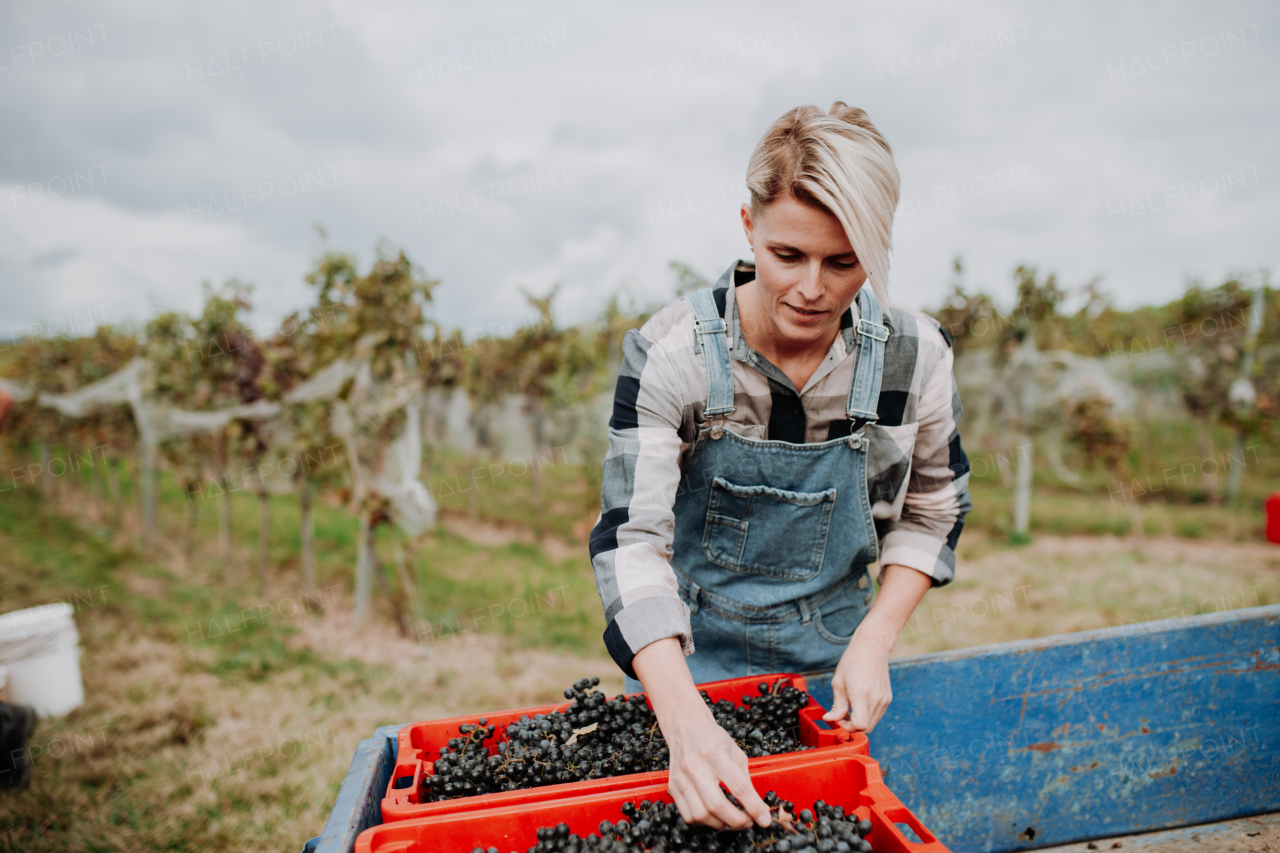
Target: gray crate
x,y
359,802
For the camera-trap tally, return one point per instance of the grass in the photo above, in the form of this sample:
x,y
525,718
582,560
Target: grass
x,y
456,582
501,490
515,590
1179,489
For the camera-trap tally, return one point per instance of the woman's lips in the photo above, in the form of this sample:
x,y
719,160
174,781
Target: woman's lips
x,y
804,316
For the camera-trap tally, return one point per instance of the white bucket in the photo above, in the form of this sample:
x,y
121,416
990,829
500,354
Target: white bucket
x,y
40,648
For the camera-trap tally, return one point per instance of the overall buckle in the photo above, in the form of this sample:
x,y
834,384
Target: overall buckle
x,y
872,330
710,326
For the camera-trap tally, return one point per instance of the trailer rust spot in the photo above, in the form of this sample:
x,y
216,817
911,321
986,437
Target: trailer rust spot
x,y
1094,766
1217,663
1181,666
1045,747
1145,730
1160,774
1259,666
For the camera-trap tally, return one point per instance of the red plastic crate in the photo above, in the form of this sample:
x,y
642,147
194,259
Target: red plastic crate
x,y
841,777
420,745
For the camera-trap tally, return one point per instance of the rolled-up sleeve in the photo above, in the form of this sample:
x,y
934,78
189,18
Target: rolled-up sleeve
x,y
631,545
937,498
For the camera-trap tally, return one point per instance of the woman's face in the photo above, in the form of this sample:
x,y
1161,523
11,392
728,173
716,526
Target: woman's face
x,y
806,271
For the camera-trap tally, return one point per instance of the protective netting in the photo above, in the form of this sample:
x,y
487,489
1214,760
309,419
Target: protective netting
x,y
389,469
378,467
325,385
21,393
1032,387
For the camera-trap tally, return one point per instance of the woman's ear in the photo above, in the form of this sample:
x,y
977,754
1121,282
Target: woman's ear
x,y
747,225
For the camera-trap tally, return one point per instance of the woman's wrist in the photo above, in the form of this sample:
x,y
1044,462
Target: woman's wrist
x,y
669,687
880,632
682,713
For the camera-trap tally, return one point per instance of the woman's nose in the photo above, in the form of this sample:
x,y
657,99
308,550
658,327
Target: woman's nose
x,y
810,285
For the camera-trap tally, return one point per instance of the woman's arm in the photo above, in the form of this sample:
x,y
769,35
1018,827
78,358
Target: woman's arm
x,y
631,544
918,552
648,629
937,499
860,687
703,755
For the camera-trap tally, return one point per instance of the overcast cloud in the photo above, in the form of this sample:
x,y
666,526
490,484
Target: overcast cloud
x,y
506,146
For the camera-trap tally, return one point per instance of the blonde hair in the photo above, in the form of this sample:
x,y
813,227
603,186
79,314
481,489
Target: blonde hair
x,y
837,161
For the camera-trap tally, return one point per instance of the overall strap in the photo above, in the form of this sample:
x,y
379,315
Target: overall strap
x,y
864,390
709,338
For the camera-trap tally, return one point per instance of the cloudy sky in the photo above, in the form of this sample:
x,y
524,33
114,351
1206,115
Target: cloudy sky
x,y
150,147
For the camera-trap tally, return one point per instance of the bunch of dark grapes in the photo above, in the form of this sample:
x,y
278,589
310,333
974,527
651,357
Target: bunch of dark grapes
x,y
598,737
767,724
463,769
536,752
658,828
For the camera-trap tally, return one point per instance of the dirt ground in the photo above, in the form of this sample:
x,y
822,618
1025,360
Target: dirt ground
x,y
1056,585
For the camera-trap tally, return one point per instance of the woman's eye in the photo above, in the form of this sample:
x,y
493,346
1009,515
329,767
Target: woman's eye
x,y
784,256
844,265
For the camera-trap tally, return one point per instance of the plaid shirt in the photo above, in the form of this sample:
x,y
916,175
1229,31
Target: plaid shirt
x,y
917,473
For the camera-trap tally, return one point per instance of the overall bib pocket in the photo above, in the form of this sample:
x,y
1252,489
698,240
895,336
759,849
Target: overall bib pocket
x,y
761,530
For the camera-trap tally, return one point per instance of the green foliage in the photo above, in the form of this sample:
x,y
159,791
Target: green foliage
x,y
379,315
61,364
1096,431
1214,320
207,361
303,348
966,317
550,365
202,363
1195,343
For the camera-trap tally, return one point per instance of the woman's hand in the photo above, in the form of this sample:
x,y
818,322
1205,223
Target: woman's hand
x,y
703,755
860,687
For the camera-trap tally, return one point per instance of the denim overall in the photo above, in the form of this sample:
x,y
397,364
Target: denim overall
x,y
772,539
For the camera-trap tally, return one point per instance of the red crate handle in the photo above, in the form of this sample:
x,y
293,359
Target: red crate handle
x,y
891,816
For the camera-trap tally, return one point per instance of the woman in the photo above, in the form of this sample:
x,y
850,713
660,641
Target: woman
x,y
771,437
